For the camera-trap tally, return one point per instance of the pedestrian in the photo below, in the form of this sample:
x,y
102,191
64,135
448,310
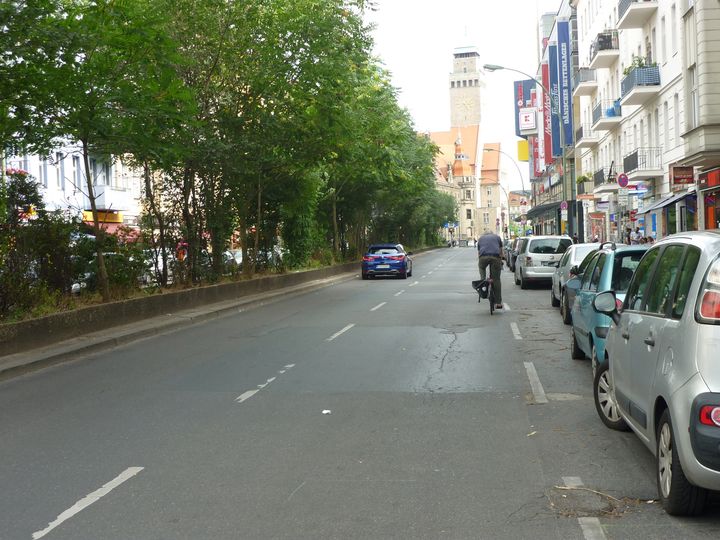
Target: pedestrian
x,y
596,238
628,235
635,236
575,238
490,253
650,240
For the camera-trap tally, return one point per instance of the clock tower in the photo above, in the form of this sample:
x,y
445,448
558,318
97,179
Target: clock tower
x,y
466,85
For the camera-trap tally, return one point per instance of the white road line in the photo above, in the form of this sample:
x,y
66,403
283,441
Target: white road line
x,y
515,330
381,304
414,283
88,500
591,528
336,334
399,293
430,272
271,379
572,481
288,366
538,391
246,395
507,306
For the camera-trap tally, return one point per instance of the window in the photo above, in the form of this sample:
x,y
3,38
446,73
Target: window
x,y
59,170
452,84
676,119
597,273
44,171
587,274
486,218
686,276
673,29
660,294
663,40
550,246
468,213
489,192
694,112
640,282
468,194
666,127
76,172
564,259
623,270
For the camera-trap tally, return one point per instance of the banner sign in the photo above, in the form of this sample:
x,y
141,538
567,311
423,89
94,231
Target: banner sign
x,y
523,99
681,175
566,113
537,170
554,90
547,108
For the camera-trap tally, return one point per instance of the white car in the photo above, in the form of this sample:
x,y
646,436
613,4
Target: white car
x,y
572,257
662,352
537,258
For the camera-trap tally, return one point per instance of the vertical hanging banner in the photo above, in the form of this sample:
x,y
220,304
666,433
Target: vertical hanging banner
x,y
566,113
555,91
547,113
539,147
523,90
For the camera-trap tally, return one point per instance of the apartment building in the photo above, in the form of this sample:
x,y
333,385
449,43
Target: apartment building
x,y
647,114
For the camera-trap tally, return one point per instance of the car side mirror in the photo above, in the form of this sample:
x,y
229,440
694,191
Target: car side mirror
x,y
409,253
607,303
575,270
573,283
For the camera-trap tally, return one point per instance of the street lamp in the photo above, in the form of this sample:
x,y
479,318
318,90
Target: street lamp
x,y
566,180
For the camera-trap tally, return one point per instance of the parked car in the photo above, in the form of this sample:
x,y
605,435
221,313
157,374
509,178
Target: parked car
x,y
511,253
574,255
537,258
610,269
386,260
662,353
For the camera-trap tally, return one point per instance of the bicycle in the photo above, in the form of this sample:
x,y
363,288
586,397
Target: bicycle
x,y
485,289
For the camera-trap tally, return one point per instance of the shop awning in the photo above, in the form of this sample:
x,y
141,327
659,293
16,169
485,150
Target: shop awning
x,y
541,209
667,201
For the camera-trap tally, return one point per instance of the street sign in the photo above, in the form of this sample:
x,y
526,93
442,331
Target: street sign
x,y
563,214
563,205
623,196
623,180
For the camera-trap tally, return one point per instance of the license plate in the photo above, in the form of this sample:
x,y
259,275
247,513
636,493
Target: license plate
x,y
549,263
381,266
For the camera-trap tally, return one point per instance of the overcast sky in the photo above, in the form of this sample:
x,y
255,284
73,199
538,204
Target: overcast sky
x,y
415,40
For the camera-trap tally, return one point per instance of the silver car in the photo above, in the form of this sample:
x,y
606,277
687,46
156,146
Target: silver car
x,y
538,257
664,371
572,257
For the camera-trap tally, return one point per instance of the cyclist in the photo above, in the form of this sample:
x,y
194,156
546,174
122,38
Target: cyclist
x,y
490,252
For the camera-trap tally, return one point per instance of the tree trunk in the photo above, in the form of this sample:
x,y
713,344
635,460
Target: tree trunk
x,y
155,213
257,227
335,223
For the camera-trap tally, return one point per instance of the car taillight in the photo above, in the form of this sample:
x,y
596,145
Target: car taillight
x,y
618,304
528,261
366,258
397,257
710,415
710,305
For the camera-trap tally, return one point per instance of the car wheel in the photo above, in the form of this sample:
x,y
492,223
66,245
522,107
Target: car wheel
x,y
404,275
517,281
575,351
364,275
523,281
564,310
554,302
677,495
605,403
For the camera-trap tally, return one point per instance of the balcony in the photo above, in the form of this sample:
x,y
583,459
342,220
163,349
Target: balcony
x,y
586,137
585,82
635,13
643,164
607,115
605,50
641,84
604,181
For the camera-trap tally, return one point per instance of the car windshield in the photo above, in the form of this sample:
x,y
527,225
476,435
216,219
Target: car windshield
x,y
376,250
623,270
581,250
549,246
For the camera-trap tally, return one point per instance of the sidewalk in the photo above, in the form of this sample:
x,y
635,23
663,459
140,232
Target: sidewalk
x,y
19,363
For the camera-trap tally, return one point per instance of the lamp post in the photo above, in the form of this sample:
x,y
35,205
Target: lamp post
x,y
566,180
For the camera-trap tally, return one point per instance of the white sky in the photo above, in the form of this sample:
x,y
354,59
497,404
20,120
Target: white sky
x,y
415,40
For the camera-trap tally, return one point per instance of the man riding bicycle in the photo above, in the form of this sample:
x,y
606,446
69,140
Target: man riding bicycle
x,y
490,252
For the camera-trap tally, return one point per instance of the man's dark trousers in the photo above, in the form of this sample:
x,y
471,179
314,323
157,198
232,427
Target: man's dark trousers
x,y
495,263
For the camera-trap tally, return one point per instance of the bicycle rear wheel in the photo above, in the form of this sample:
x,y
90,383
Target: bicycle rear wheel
x,y
491,297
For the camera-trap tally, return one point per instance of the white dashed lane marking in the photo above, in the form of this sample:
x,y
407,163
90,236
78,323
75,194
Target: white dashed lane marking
x,y
336,334
381,304
515,330
399,292
537,388
250,393
413,284
93,497
591,528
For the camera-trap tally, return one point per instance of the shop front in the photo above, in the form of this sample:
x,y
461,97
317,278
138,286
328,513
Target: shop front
x,y
709,186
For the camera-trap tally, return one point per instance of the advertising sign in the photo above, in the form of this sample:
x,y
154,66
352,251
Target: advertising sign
x,y
527,120
547,108
554,90
566,113
523,99
681,175
537,170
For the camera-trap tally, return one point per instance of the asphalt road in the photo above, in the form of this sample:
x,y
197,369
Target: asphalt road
x,y
372,409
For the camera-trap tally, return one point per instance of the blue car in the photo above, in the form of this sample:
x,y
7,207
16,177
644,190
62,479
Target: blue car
x,y
610,269
386,260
